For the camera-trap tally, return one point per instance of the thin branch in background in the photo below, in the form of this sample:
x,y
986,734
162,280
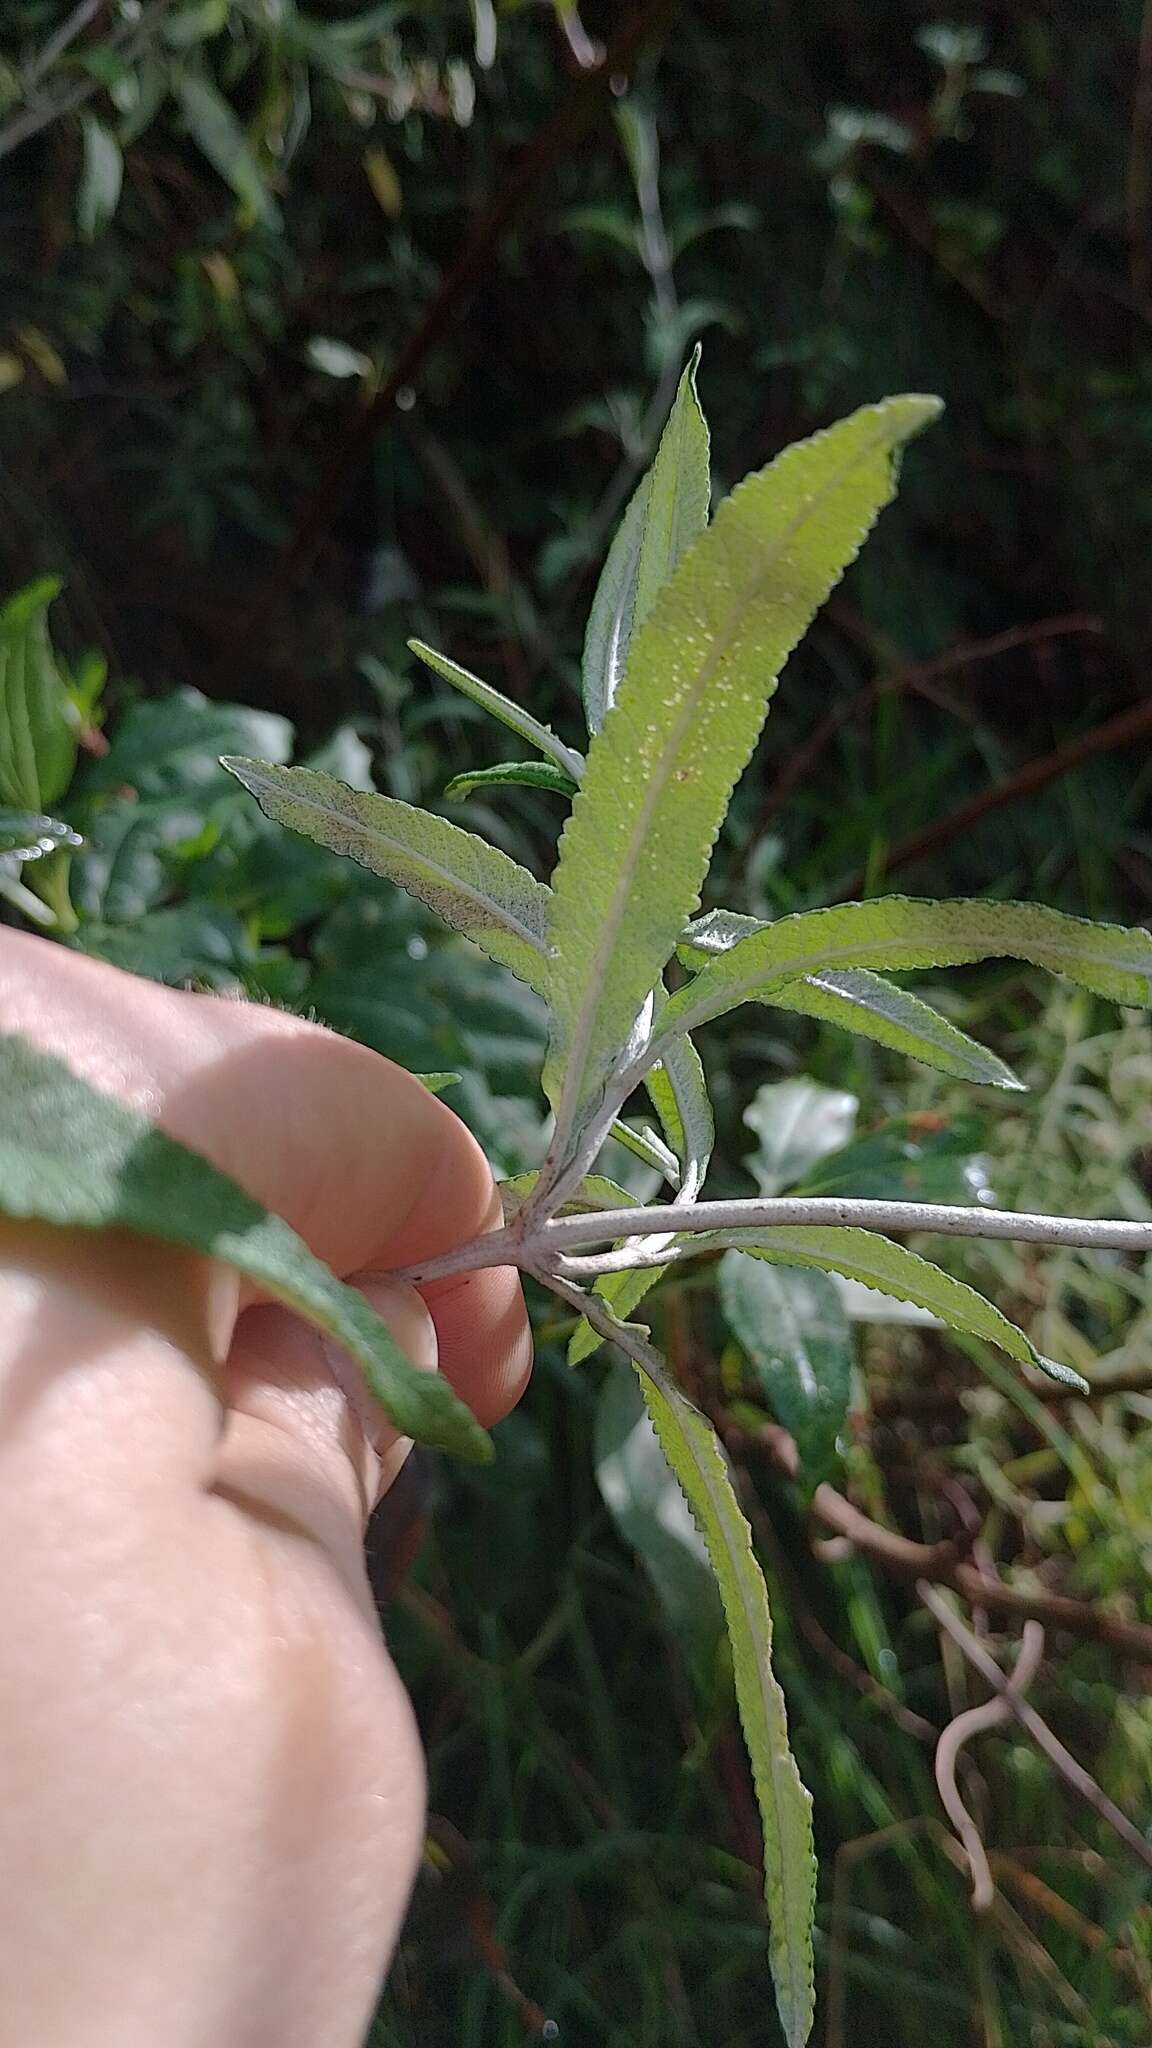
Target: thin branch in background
x,y
1061,1759
942,1564
918,676
72,26
1035,775
978,1721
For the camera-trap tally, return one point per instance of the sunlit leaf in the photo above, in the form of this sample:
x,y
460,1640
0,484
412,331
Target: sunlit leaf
x,y
665,515
686,717
798,1122
905,932
679,1094
893,1270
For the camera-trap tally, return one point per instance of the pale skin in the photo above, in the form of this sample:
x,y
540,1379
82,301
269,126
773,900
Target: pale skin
x,y
211,1785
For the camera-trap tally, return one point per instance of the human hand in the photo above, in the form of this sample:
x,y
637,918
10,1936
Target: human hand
x,y
211,1788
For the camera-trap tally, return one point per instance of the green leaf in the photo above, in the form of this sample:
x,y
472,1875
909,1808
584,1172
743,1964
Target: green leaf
x,y
906,932
912,1158
437,1083
644,1144
473,886
39,727
785,1806
220,137
76,1158
798,1341
31,835
171,746
512,715
679,1095
666,513
893,1270
686,718
855,1000
100,180
650,1511
530,774
797,1122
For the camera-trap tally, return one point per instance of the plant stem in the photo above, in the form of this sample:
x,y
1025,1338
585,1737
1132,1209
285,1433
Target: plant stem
x,y
539,1244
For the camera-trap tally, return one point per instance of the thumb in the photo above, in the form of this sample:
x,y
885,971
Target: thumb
x,y
304,1444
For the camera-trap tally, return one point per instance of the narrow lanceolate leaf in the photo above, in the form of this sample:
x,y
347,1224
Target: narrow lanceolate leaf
x,y
685,720
668,510
905,932
473,886
644,1144
893,1270
855,1000
493,701
594,1192
73,1157
679,1094
525,774
785,1806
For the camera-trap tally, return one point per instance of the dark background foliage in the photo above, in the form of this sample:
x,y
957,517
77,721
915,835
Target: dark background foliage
x,y
319,328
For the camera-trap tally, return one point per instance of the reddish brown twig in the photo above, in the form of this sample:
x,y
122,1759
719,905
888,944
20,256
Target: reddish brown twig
x,y
917,676
941,1564
1035,775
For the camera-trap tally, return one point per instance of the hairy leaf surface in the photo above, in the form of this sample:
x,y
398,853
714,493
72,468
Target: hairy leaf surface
x,y
473,886
906,932
893,1270
785,1806
686,717
510,774
667,511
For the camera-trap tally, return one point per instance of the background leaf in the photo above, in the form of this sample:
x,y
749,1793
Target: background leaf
x,y
798,1122
652,1515
796,1336
219,135
39,729
512,715
100,179
76,1158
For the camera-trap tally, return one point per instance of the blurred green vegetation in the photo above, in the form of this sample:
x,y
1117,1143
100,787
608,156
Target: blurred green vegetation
x,y
322,327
